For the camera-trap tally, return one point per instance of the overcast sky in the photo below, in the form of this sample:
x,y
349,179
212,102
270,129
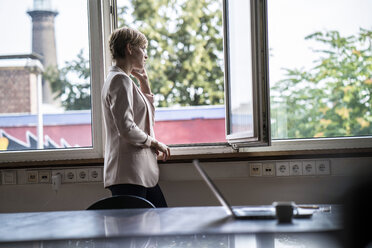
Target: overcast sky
x,y
289,22
71,27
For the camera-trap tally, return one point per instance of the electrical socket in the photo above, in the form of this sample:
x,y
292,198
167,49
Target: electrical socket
x,y
295,168
70,176
255,169
95,174
268,169
82,175
9,177
282,168
44,176
323,167
32,177
308,168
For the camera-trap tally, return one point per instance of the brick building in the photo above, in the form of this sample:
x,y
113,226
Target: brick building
x,y
18,84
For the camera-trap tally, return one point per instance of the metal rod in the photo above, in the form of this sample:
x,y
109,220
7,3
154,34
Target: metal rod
x,y
114,12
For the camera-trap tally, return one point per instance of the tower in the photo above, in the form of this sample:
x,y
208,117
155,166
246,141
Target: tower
x,y
43,41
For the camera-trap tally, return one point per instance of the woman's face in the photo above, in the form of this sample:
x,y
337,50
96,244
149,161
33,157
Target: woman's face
x,y
139,57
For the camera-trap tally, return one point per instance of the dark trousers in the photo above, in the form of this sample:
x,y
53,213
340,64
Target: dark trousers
x,y
154,194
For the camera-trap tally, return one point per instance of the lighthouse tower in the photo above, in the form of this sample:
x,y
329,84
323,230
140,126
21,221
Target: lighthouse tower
x,y
44,43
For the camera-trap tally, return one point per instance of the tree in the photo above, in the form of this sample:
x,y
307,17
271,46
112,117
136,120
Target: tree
x,y
334,97
71,83
185,64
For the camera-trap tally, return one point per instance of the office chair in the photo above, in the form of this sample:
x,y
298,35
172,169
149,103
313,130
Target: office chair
x,y
120,202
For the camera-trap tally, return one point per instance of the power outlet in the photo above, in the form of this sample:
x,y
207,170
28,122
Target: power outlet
x,y
70,176
308,168
295,168
282,169
268,169
82,175
95,174
323,167
32,177
255,169
44,176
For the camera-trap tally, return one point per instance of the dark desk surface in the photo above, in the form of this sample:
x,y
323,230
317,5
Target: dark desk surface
x,y
103,224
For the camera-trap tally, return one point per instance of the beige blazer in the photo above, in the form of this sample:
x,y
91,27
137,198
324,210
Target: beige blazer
x,y
129,120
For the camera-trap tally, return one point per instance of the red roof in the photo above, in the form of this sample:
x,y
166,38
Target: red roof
x,y
172,126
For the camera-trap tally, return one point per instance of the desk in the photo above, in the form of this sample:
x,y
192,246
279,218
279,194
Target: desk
x,y
161,228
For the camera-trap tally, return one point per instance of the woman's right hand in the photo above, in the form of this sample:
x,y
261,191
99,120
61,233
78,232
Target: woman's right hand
x,y
160,147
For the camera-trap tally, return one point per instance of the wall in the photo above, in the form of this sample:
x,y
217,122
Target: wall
x,y
15,86
182,186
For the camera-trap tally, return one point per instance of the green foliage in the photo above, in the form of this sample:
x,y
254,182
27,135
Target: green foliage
x,y
185,64
72,83
334,97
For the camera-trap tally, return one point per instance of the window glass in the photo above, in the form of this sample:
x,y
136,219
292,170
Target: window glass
x,y
246,73
320,68
185,66
240,67
44,75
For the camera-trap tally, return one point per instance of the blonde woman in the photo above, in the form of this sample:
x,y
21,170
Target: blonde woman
x,y
131,148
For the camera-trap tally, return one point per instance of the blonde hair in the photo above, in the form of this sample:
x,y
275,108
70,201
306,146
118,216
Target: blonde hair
x,y
123,36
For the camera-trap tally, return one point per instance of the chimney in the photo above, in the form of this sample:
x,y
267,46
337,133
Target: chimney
x,y
44,43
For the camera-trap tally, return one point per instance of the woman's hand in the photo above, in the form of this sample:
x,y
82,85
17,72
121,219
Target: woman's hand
x,y
140,74
160,147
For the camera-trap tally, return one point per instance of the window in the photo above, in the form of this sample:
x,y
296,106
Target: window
x,y
307,99
320,68
186,70
286,121
49,80
246,80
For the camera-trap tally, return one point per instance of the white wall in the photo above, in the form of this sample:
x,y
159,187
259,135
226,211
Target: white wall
x,y
182,186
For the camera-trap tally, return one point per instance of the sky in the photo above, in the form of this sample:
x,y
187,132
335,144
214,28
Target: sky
x,y
71,28
289,22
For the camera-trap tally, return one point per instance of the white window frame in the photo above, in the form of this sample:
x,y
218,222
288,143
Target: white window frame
x,y
98,15
260,135
298,146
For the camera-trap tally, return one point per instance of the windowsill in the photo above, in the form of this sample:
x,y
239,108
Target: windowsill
x,y
333,147
309,148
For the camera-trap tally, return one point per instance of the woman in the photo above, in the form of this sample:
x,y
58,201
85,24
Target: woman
x,y
131,148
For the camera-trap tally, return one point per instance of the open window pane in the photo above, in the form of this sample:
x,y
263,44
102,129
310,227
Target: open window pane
x,y
44,75
246,73
240,68
320,68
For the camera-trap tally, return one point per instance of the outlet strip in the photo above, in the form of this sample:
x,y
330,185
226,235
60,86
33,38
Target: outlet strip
x,y
292,168
44,176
